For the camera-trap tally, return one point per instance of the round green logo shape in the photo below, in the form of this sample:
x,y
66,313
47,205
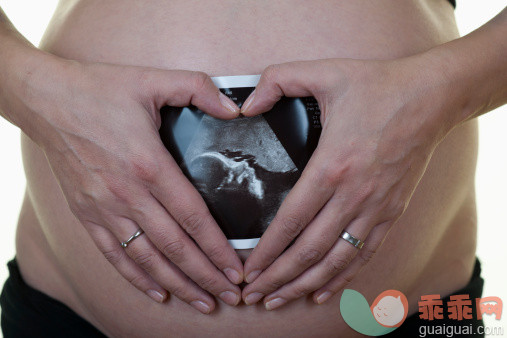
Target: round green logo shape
x,y
387,312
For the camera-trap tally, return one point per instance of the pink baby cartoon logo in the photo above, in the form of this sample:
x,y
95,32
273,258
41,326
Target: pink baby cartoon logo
x,y
390,308
387,312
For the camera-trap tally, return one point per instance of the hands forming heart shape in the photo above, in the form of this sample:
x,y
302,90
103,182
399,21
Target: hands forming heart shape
x,y
373,148
296,177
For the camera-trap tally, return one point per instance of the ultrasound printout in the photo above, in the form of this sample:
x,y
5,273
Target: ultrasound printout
x,y
244,167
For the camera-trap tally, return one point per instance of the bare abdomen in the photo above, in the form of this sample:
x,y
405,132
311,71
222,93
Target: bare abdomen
x,y
232,38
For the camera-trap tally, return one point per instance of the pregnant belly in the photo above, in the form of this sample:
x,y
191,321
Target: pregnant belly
x,y
418,257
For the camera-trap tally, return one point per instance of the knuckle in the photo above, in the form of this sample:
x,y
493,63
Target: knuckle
x,y
145,168
199,80
332,173
347,279
174,250
271,73
118,190
398,209
208,283
292,226
79,203
313,173
366,254
145,78
114,256
146,260
83,201
362,194
193,222
309,255
179,290
391,208
137,280
336,263
370,187
216,253
275,284
300,290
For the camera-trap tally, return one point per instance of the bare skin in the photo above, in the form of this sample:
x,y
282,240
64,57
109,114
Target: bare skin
x,y
430,248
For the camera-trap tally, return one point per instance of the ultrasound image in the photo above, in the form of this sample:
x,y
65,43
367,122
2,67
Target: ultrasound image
x,y
245,167
241,168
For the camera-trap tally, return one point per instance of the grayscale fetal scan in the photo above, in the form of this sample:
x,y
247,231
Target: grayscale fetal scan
x,y
244,167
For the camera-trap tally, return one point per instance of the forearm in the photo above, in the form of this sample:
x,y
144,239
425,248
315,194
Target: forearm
x,y
474,69
20,65
14,49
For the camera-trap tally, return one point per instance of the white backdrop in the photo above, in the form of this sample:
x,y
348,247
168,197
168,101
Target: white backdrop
x,y
31,18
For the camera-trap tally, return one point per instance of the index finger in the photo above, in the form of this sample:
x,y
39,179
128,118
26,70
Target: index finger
x,y
302,203
291,79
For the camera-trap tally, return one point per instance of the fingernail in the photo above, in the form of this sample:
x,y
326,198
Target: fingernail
x,y
274,303
252,275
228,103
233,275
156,296
323,297
230,297
253,298
248,102
201,306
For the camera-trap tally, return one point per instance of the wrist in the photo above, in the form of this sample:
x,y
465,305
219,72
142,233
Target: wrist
x,y
471,70
24,77
452,80
427,93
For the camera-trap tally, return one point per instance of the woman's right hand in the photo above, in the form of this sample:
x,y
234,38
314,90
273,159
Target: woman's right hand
x,y
98,126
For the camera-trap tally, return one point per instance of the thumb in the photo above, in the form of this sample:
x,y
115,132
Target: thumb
x,y
181,88
292,79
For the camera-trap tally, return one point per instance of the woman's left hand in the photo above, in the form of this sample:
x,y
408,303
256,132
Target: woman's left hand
x,y
381,121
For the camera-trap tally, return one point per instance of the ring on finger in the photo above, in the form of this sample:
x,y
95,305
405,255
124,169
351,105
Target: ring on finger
x,y
356,242
134,236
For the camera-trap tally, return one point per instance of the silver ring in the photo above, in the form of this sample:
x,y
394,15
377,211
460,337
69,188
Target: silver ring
x,y
357,243
134,236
